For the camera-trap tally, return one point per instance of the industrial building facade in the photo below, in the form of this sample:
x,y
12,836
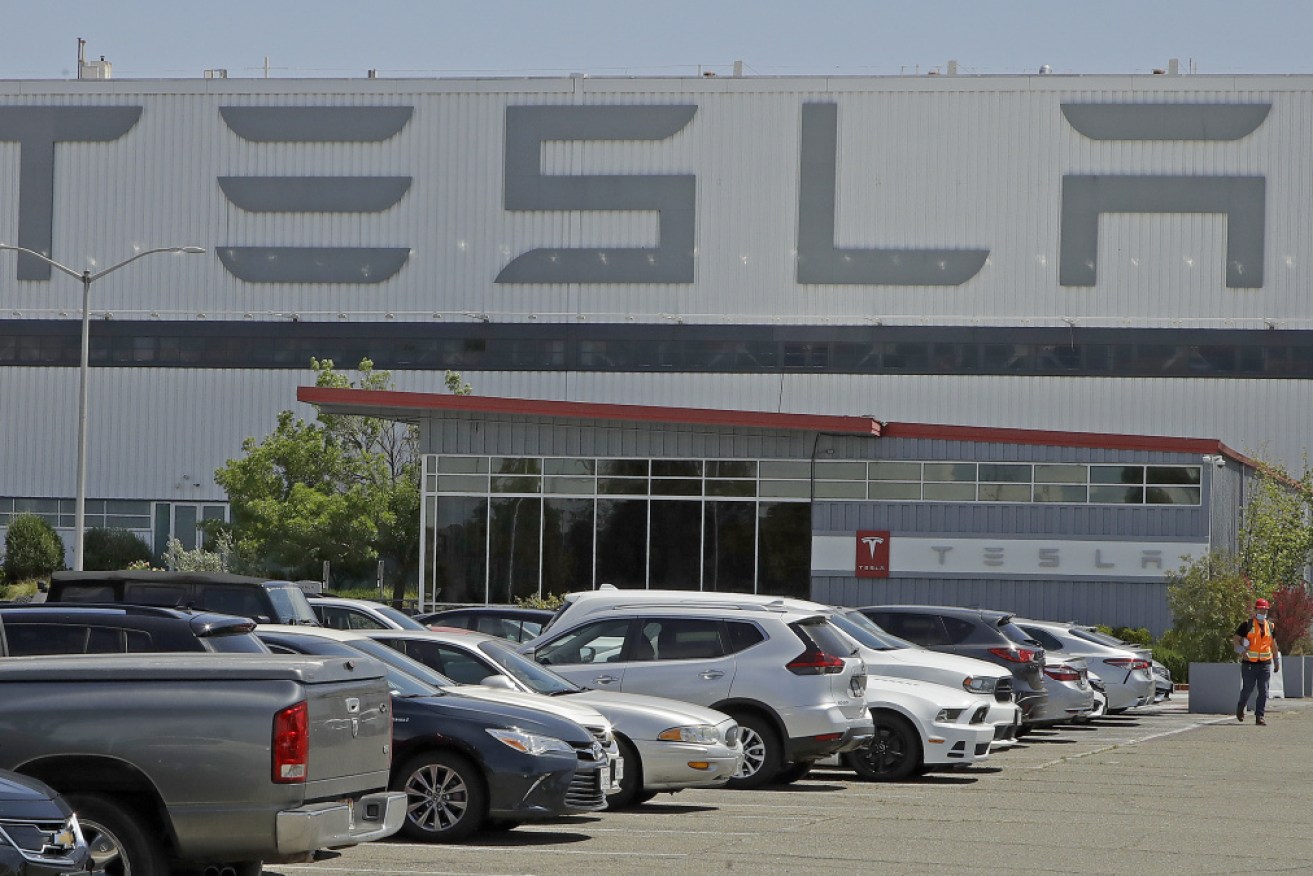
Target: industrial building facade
x,y
1069,254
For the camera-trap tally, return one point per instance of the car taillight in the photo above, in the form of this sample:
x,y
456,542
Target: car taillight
x,y
1015,655
1131,663
291,744
1062,673
815,662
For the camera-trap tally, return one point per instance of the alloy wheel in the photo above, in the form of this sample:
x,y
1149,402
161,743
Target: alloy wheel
x,y
438,798
754,753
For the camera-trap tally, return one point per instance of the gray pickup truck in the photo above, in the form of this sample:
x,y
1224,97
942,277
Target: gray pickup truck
x,y
206,762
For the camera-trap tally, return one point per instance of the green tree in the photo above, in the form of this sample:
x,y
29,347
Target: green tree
x,y
32,548
343,489
1276,537
107,549
299,498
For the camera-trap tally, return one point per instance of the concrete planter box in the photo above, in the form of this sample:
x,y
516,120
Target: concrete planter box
x,y
1214,687
1295,676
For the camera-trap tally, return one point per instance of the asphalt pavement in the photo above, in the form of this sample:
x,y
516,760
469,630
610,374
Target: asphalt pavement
x,y
1158,791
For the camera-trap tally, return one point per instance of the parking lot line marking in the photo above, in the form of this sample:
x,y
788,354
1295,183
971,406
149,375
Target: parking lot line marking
x,y
390,870
1135,741
536,851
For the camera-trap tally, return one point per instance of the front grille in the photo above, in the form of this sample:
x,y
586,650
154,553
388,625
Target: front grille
x,y
586,790
35,840
1003,690
982,748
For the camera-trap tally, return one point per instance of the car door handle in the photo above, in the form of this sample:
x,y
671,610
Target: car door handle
x,y
605,679
711,674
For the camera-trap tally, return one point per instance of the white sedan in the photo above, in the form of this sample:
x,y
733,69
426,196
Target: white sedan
x,y
920,727
667,745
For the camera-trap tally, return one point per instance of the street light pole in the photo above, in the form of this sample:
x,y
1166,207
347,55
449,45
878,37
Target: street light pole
x,y
87,278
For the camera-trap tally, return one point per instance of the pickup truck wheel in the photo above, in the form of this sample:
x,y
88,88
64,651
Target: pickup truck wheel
x,y
119,840
763,754
445,798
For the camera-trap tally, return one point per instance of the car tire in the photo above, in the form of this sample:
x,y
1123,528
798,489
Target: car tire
x,y
631,782
792,773
120,840
445,797
643,797
893,755
763,753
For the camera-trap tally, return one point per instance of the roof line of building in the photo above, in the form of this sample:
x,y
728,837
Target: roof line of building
x,y
357,400
395,404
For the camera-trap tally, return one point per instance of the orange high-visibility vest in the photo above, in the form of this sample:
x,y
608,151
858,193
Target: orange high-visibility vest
x,y
1261,645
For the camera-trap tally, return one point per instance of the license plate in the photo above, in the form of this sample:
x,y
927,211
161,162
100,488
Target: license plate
x,y
350,814
617,770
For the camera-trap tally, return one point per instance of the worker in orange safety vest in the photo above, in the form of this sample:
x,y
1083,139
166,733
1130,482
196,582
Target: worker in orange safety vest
x,y
1259,658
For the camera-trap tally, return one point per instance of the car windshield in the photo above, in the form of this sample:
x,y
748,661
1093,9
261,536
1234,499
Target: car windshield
x,y
402,682
867,631
400,618
1097,637
290,603
538,678
395,658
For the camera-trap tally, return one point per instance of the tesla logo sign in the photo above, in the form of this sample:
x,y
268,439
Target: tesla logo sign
x,y
872,553
673,197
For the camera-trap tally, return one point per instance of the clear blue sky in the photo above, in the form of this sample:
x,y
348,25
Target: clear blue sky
x,y
181,38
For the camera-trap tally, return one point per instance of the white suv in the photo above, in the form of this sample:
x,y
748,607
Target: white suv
x,y
788,677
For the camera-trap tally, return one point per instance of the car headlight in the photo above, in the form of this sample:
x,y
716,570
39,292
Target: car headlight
x,y
948,716
979,685
529,743
702,734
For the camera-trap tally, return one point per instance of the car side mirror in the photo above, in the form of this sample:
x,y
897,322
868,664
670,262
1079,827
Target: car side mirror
x,y
498,681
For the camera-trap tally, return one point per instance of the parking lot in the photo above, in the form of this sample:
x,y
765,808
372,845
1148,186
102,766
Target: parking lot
x,y
1154,791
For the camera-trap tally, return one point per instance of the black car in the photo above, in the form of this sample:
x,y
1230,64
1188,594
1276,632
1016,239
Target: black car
x,y
467,763
45,628
972,632
39,835
503,621
261,599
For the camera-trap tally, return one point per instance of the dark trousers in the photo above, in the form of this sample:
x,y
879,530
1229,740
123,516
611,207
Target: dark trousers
x,y
1251,674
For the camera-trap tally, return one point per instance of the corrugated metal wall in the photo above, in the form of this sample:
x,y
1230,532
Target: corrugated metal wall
x,y
1115,603
958,162
922,162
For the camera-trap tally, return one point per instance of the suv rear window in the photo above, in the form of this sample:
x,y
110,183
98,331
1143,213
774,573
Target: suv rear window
x,y
290,603
87,593
824,636
923,629
743,636
30,640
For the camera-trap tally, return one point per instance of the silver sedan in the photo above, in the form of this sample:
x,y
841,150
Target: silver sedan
x,y
667,745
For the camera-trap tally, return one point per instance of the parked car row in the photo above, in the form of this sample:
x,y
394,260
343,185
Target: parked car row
x,y
620,696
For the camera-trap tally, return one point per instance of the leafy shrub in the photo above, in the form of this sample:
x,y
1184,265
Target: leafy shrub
x,y
32,548
179,559
1207,599
108,550
1165,652
551,602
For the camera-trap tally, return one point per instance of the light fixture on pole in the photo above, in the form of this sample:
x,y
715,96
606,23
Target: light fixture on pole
x,y
86,278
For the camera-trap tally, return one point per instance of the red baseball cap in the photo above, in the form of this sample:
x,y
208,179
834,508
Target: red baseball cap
x,y
1260,603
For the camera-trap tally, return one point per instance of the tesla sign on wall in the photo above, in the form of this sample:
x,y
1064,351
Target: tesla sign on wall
x,y
877,554
872,553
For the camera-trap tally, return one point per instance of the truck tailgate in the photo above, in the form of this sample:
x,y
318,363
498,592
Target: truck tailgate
x,y
350,736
